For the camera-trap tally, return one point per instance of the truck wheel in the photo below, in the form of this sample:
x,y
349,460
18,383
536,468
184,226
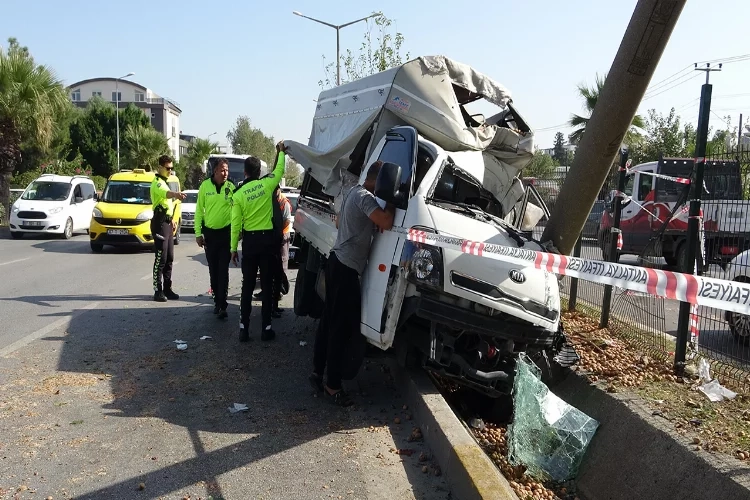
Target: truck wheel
x,y
682,257
671,259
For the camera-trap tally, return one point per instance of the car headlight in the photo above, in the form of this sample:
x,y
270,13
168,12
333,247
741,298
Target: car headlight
x,y
424,263
145,215
55,210
14,209
96,212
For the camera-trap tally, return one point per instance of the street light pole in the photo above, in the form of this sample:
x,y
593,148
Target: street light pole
x,y
338,27
117,114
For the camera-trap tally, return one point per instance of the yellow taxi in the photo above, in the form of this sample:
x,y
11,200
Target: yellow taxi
x,y
122,215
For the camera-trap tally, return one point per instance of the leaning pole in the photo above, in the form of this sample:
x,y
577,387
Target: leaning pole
x,y
639,53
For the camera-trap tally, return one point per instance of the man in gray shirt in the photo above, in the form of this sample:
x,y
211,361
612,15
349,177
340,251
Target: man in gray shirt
x,y
360,215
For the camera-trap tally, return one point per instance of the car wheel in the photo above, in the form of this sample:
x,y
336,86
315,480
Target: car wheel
x,y
97,247
16,235
739,324
68,231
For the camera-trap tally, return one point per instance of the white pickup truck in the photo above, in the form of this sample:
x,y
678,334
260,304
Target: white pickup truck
x,y
462,316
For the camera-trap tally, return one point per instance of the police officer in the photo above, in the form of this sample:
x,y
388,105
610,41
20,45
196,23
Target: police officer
x,y
252,217
213,220
162,228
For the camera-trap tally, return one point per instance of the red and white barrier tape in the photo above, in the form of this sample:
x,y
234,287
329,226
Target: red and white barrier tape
x,y
700,290
678,180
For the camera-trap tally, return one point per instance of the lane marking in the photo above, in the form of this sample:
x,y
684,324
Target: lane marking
x,y
14,261
24,341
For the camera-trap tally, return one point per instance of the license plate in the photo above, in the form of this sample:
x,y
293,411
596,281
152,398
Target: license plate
x,y
33,223
117,231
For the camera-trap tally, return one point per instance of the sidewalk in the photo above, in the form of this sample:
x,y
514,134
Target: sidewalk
x,y
107,407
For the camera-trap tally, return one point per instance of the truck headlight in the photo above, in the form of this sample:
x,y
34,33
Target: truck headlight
x,y
145,215
424,263
96,212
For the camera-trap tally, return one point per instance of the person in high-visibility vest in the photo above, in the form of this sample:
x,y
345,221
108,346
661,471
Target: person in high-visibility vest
x,y
252,218
283,226
213,223
162,228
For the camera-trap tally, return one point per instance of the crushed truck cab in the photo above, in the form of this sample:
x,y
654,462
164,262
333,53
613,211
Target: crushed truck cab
x,y
448,173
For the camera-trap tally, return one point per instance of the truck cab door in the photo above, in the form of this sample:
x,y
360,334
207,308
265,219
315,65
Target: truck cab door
x,y
531,213
637,218
399,146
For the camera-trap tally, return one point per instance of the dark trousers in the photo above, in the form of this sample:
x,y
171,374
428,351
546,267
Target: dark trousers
x,y
258,250
164,254
341,318
218,254
280,265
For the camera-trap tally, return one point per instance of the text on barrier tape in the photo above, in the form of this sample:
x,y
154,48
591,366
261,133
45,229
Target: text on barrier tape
x,y
709,292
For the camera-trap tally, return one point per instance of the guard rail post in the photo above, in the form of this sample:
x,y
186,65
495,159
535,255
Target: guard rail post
x,y
614,235
574,281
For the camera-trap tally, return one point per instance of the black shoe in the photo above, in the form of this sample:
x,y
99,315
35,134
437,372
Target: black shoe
x,y
259,295
267,335
244,335
216,309
339,398
171,295
159,297
222,314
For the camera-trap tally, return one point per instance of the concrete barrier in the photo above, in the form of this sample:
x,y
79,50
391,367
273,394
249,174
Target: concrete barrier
x,y
467,468
636,455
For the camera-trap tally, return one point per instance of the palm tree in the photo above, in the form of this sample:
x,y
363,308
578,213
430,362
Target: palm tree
x,y
31,96
143,146
199,151
590,96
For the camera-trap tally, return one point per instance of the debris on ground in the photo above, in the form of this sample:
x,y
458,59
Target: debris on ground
x,y
207,337
713,390
238,407
548,436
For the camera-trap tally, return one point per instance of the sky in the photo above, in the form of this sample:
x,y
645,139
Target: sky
x,y
226,58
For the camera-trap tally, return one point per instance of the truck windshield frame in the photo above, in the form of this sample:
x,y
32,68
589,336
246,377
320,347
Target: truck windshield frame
x,y
455,185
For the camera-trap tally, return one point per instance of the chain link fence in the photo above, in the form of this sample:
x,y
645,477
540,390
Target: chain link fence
x,y
654,222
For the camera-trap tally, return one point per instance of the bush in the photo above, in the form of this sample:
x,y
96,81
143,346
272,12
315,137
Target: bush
x,y
99,182
58,167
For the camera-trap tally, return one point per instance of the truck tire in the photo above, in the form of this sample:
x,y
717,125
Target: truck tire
x,y
306,300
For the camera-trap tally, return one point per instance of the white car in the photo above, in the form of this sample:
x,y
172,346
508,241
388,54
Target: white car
x,y
738,269
188,209
54,204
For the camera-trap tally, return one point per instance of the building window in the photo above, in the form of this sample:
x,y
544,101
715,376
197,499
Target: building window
x,y
116,96
96,93
75,95
140,97
174,132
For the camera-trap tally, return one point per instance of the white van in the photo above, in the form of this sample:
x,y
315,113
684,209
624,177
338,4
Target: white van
x,y
55,204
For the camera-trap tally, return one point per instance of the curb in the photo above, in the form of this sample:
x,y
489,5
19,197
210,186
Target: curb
x,y
467,468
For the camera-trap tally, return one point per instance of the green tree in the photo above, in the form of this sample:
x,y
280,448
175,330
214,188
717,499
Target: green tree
x,y
560,153
94,133
31,96
141,147
665,136
374,55
590,96
293,173
541,165
248,140
198,152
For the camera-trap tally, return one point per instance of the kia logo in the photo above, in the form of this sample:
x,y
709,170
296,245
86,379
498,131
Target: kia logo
x,y
119,221
516,276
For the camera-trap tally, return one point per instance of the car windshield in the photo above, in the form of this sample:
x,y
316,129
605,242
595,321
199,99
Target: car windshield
x,y
47,191
191,198
457,186
135,192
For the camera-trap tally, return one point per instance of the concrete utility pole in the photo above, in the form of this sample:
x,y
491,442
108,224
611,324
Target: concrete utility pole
x,y
639,53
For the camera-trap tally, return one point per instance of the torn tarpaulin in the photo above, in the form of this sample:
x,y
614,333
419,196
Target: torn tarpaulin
x,y
548,436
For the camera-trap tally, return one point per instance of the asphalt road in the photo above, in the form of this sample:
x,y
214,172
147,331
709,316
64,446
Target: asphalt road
x,y
97,402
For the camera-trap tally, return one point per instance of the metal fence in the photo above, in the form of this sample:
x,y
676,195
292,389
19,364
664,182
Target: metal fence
x,y
654,230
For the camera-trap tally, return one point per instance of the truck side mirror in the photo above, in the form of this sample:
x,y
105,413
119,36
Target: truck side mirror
x,y
388,183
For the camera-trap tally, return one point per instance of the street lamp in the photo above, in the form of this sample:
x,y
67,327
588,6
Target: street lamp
x,y
209,136
117,114
338,42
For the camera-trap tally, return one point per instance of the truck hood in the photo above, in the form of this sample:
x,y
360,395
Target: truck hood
x,y
532,291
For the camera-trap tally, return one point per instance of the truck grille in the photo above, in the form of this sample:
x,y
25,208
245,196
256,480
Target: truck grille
x,y
493,292
106,221
31,215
